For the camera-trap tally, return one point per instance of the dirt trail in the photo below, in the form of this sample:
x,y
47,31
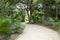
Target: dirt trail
x,y
37,32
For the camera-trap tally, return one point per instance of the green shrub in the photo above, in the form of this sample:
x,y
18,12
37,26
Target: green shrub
x,y
37,16
54,22
57,25
10,25
4,25
49,22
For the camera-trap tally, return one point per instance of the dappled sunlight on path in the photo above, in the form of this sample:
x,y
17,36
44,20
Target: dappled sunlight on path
x,y
37,32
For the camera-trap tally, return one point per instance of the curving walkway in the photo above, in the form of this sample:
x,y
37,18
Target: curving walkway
x,y
37,32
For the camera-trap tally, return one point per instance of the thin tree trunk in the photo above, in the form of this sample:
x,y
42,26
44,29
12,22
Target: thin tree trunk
x,y
31,11
29,8
56,12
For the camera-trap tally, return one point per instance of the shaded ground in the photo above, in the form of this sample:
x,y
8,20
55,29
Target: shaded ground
x,y
37,32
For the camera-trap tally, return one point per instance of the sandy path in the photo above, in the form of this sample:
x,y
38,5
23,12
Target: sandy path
x,y
36,32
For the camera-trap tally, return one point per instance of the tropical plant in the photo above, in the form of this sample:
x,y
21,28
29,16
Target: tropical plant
x,y
57,25
10,26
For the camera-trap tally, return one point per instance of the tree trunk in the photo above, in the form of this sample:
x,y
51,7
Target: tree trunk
x,y
29,8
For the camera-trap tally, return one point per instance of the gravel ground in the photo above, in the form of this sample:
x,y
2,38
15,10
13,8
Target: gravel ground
x,y
37,32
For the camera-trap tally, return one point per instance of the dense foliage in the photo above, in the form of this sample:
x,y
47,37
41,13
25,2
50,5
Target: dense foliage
x,y
10,25
10,21
45,12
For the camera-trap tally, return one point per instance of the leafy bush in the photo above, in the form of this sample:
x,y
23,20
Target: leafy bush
x,y
54,22
57,25
10,25
50,21
37,16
